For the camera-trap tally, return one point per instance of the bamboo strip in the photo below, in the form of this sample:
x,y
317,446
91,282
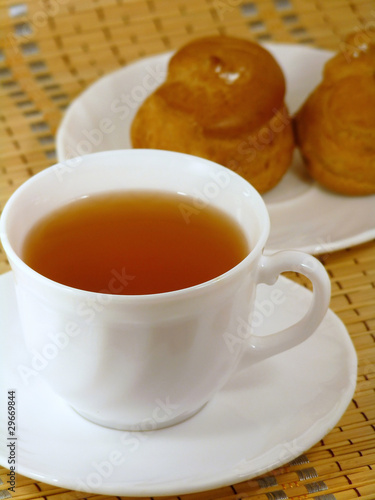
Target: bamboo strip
x,y
366,285
38,494
71,37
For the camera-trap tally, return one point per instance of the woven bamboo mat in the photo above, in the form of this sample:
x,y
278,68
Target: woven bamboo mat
x,y
50,50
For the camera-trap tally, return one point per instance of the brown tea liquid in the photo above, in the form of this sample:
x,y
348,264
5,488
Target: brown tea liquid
x,y
134,243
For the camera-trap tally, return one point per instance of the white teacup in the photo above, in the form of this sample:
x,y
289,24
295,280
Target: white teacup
x,y
141,362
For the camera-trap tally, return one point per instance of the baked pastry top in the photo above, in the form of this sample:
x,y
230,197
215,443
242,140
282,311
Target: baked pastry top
x,y
223,99
335,127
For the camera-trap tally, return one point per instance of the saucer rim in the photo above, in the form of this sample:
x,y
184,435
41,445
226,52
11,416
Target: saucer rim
x,y
181,486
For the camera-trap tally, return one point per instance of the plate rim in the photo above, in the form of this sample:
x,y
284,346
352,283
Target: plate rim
x,y
340,243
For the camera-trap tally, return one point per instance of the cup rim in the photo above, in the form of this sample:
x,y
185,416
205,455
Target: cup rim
x,y
200,287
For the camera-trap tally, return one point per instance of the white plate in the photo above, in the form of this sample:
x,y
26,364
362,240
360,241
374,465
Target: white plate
x,y
304,216
267,415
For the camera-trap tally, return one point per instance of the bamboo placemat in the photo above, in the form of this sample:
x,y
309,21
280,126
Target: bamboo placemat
x,y
51,50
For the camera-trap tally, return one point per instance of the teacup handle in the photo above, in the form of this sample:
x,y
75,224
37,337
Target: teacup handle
x,y
269,269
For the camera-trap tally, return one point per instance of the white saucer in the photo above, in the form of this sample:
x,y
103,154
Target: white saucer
x,y
265,416
304,216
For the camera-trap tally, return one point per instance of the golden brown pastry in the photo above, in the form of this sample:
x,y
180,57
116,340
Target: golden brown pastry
x,y
223,99
335,128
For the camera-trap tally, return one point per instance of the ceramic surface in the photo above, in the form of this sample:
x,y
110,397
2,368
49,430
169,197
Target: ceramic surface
x,y
265,416
114,357
303,215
